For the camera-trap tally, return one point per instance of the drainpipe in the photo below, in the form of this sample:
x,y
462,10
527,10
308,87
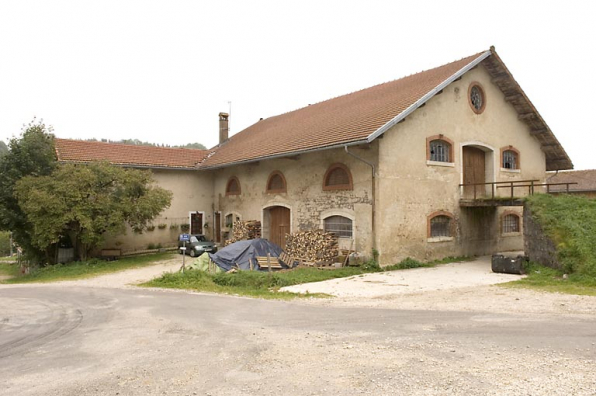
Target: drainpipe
x,y
373,169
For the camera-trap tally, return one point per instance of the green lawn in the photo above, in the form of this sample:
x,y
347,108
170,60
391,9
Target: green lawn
x,y
253,283
7,269
86,269
267,285
551,280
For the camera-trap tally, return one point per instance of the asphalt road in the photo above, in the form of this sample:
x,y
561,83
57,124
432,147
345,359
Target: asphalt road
x,y
87,341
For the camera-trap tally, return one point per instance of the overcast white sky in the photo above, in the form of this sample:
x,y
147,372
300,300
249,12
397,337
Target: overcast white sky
x,y
161,71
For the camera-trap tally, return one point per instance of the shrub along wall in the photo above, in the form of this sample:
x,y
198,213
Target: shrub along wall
x,y
560,232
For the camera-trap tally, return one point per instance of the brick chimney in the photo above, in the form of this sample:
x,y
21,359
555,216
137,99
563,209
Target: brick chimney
x,y
223,127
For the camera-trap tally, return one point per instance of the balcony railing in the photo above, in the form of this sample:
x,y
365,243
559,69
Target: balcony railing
x,y
479,190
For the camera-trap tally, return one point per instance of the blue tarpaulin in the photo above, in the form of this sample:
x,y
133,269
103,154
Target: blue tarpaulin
x,y
238,253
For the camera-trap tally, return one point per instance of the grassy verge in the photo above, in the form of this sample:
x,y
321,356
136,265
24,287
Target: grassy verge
x,y
253,283
86,269
265,285
411,263
6,269
551,280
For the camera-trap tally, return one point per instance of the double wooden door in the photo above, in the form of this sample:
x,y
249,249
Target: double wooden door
x,y
279,225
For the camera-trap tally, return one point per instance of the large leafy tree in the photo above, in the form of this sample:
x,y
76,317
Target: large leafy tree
x,y
3,148
31,154
84,202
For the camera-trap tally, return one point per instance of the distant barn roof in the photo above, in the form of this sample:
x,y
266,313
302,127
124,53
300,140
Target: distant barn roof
x,y
585,179
80,151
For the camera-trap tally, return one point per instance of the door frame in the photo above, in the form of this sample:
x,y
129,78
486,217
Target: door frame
x,y
265,225
202,220
490,175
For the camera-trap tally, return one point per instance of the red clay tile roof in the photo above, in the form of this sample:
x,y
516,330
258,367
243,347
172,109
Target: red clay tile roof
x,y
349,118
585,179
123,154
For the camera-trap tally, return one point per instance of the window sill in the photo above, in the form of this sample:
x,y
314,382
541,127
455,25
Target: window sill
x,y
510,170
439,239
440,163
510,234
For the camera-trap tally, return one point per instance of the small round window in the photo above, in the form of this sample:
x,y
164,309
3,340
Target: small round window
x,y
477,98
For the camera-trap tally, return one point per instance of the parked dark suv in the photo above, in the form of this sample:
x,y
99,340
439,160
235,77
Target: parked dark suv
x,y
198,245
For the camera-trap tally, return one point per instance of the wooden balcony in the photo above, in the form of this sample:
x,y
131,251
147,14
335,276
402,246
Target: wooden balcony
x,y
488,194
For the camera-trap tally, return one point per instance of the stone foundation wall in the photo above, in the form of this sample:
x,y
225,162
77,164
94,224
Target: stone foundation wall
x,y
538,247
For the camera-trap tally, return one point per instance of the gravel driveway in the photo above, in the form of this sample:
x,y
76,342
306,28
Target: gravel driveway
x,y
104,337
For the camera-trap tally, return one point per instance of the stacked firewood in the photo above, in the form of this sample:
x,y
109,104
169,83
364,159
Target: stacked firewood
x,y
245,230
316,246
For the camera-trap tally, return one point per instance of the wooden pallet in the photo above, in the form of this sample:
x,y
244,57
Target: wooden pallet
x,y
269,262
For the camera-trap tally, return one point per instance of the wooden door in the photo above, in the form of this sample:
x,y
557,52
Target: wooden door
x,y
196,223
279,225
217,227
474,172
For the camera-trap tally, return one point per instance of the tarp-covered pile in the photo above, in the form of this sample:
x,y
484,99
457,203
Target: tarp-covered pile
x,y
237,255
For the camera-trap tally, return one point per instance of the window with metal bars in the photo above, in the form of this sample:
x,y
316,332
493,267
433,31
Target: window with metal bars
x,y
339,225
510,159
510,223
439,150
440,226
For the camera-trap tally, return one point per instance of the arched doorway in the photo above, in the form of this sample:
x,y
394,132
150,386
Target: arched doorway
x,y
474,171
276,225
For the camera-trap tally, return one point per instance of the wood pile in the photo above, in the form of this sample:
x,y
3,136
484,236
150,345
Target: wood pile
x,y
314,248
245,230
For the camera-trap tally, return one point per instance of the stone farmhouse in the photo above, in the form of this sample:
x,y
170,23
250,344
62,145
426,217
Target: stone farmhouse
x,y
413,167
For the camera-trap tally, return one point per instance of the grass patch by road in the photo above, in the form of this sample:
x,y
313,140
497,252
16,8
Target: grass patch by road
x,y
552,280
7,269
86,269
408,263
267,285
253,283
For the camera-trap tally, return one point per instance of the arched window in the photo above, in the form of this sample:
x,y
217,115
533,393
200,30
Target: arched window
x,y
510,223
276,183
440,224
233,186
337,177
509,158
439,149
339,225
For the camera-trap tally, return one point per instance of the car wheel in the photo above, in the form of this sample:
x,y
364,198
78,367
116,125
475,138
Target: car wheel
x,y
192,253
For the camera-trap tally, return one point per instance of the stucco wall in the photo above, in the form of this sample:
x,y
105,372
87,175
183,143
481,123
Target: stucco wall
x,y
193,191
410,189
305,197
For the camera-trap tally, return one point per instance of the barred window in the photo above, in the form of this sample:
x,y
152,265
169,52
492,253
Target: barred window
x,y
440,226
337,177
439,150
339,225
510,159
510,223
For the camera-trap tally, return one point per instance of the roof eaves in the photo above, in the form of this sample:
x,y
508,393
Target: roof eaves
x,y
282,155
429,95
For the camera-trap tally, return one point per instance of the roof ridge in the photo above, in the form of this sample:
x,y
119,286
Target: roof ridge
x,y
130,145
